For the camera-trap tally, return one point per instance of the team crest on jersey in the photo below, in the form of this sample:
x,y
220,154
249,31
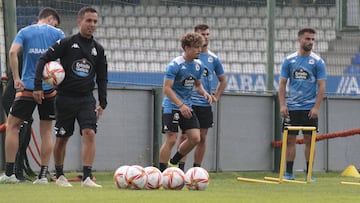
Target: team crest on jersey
x,y
311,61
301,74
189,81
94,52
210,59
197,67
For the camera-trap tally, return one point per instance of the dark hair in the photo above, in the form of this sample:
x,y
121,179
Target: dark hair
x,y
308,30
201,27
47,11
84,10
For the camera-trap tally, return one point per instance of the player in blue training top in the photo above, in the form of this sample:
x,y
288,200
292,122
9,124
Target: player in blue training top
x,y
306,73
182,75
34,40
201,107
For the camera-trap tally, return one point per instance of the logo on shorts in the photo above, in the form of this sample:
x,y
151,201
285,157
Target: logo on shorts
x,y
61,131
176,117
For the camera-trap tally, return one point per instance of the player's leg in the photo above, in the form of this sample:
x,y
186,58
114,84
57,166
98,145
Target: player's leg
x,y
21,157
291,145
200,148
182,161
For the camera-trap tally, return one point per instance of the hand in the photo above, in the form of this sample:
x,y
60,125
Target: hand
x,y
185,111
209,98
38,96
284,111
214,98
18,85
99,111
313,113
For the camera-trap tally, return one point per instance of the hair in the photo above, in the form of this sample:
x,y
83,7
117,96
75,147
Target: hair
x,y
201,27
308,30
192,39
47,11
84,10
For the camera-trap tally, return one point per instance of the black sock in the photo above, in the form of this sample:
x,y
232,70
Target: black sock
x,y
43,172
9,168
162,166
196,165
176,158
59,170
307,167
182,165
87,170
289,166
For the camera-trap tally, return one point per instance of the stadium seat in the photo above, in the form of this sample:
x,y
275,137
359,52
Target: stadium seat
x,y
262,44
256,57
140,56
151,10
131,67
164,56
240,11
214,33
125,44
310,11
252,45
145,32
322,11
164,22
117,55
256,22
130,21
287,46
128,10
252,11
211,21
156,67
111,32
277,46
176,22
280,22
139,10
248,33
161,11
148,44
185,11
221,22
233,22
225,34
222,56
160,44
108,20
178,32
303,22
99,33
173,11
228,45
248,68
262,12
119,21
152,55
153,21
143,67
195,11
137,44
218,11
106,10
330,35
229,11
326,23
356,59
198,20
233,68
299,12
260,34
115,11
168,33
244,22
259,68
206,11
290,22
236,33
142,21
187,22
216,45
156,33
103,41
172,44
232,56
244,57
287,12
314,22
279,57
321,46
282,34
332,12
240,45
129,55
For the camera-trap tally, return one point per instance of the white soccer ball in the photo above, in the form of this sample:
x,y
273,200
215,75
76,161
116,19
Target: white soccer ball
x,y
173,178
119,177
197,178
154,178
53,73
135,177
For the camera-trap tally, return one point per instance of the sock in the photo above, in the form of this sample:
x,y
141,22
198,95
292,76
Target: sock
x,y
87,170
307,167
9,168
43,172
289,166
182,165
162,166
59,170
196,165
176,158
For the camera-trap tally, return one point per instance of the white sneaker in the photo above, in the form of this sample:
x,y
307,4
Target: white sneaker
x,y
63,182
89,183
4,179
41,181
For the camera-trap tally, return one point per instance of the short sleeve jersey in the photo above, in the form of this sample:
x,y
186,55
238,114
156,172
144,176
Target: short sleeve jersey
x,y
35,40
303,73
184,74
213,68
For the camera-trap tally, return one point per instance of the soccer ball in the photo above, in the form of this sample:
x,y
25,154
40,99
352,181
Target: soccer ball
x,y
173,178
53,73
135,177
196,178
154,178
119,176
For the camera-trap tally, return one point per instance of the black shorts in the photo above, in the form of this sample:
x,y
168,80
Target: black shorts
x,y
172,122
205,116
24,106
70,108
300,118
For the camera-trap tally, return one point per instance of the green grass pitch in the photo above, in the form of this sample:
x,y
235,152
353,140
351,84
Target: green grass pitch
x,y
224,187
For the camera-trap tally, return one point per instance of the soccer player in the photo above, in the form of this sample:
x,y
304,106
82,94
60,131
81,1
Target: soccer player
x,y
83,60
183,73
306,73
200,105
34,40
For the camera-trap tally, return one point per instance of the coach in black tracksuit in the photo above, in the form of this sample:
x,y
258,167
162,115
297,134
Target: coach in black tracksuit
x,y
83,60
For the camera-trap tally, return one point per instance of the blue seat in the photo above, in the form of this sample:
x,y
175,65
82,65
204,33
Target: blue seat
x,y
356,59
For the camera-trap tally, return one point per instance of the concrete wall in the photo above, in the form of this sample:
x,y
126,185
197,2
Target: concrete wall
x,y
239,141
